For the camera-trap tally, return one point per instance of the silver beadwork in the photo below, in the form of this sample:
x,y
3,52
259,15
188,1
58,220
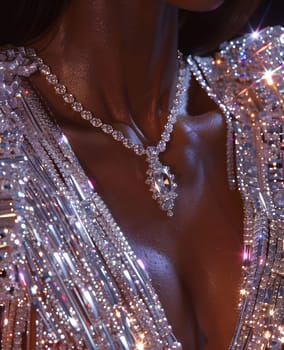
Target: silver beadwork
x,y
61,252
246,79
164,195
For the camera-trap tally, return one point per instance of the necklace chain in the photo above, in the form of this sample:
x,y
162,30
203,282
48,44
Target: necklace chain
x,y
160,180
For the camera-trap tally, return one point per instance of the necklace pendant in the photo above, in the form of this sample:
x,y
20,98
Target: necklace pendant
x,y
159,177
161,181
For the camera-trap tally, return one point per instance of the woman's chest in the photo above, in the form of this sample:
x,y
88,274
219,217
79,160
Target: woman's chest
x,y
186,255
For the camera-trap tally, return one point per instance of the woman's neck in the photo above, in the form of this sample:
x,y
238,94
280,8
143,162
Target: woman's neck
x,y
118,58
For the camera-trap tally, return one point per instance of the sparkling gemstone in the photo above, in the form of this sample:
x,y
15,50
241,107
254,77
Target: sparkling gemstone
x,y
69,98
169,127
179,87
151,152
172,118
278,198
86,115
52,79
106,128
165,136
247,253
60,89
175,103
128,143
167,205
162,181
117,135
162,146
139,149
96,122
77,106
39,60
44,69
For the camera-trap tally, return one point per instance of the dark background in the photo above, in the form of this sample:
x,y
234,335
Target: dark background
x,y
271,12
201,33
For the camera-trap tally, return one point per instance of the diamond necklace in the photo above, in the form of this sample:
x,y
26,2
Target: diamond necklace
x,y
159,178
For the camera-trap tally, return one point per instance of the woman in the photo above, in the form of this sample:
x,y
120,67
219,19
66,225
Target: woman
x,y
72,281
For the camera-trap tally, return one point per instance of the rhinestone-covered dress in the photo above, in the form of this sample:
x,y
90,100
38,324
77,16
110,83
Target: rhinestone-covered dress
x,y
63,255
69,278
246,79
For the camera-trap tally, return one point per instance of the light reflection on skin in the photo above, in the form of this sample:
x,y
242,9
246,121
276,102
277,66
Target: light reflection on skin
x,y
159,265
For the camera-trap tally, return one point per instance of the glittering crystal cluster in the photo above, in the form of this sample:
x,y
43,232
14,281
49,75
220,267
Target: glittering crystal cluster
x,y
161,181
246,79
69,278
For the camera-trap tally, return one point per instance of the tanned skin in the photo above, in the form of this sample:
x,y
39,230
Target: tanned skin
x,y
119,59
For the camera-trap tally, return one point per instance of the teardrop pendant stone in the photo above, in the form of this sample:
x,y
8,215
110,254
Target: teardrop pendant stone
x,y
161,181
